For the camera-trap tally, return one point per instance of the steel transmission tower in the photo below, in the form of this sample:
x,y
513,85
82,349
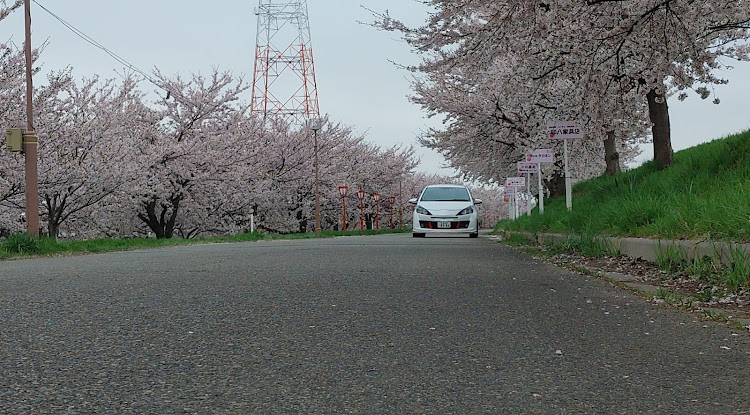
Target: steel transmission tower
x,y
284,78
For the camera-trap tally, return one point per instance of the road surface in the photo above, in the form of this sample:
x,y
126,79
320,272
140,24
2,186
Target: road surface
x,y
354,325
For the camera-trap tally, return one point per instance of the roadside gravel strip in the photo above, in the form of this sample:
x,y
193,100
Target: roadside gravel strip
x,y
355,325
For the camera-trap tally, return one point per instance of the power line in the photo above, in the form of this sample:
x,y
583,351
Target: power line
x,y
98,45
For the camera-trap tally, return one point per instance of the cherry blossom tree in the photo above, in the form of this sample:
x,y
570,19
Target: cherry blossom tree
x,y
6,9
224,202
189,152
12,89
89,143
194,163
382,171
660,47
593,60
496,98
344,159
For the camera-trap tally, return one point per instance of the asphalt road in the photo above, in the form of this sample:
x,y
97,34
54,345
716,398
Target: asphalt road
x,y
356,325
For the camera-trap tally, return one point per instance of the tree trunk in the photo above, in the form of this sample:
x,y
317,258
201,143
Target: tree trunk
x,y
611,156
658,112
161,225
150,219
302,222
172,220
54,214
54,230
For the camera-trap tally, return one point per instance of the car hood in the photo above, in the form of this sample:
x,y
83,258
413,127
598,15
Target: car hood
x,y
445,208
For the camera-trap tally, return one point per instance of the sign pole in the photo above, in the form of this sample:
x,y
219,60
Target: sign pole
x,y
541,191
529,167
515,183
528,194
565,130
568,182
343,217
539,156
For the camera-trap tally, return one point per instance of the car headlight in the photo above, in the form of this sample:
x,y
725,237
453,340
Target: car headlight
x,y
423,211
469,210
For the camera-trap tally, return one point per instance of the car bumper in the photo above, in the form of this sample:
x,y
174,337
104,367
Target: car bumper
x,y
433,224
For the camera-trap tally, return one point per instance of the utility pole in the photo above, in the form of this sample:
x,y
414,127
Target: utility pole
x,y
30,139
315,127
400,199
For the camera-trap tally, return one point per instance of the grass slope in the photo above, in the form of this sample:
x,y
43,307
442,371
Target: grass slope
x,y
704,195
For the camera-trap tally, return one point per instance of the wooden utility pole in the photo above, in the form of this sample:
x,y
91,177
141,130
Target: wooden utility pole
x,y
30,140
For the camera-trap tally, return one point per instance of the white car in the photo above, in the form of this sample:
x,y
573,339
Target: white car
x,y
445,209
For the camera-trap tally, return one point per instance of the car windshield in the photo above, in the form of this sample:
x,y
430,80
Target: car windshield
x,y
445,194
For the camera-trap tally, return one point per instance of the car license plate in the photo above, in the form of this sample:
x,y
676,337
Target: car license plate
x,y
444,225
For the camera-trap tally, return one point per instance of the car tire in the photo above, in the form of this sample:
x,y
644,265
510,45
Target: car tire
x,y
417,235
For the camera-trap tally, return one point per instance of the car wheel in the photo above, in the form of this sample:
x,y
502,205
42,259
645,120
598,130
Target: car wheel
x,y
417,235
474,235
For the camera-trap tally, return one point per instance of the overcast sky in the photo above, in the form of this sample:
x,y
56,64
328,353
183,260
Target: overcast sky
x,y
357,83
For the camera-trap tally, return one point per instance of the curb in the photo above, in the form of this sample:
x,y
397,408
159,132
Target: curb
x,y
652,249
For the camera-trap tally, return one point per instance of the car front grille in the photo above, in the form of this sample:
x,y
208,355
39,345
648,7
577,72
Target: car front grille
x,y
434,225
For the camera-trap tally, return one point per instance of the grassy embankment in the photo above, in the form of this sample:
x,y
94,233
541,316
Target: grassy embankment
x,y
704,195
20,246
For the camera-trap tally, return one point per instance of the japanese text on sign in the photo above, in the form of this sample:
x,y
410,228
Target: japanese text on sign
x,y
561,130
524,167
515,182
542,155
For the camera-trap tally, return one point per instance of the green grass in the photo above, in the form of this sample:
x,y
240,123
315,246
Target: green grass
x,y
670,258
704,296
516,240
734,276
588,245
738,274
20,245
669,297
704,195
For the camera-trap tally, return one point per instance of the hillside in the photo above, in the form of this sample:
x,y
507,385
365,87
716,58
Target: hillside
x,y
704,195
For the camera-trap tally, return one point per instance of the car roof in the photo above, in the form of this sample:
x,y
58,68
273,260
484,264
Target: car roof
x,y
445,185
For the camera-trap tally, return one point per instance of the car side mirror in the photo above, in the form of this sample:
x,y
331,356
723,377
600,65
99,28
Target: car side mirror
x,y
477,201
413,201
